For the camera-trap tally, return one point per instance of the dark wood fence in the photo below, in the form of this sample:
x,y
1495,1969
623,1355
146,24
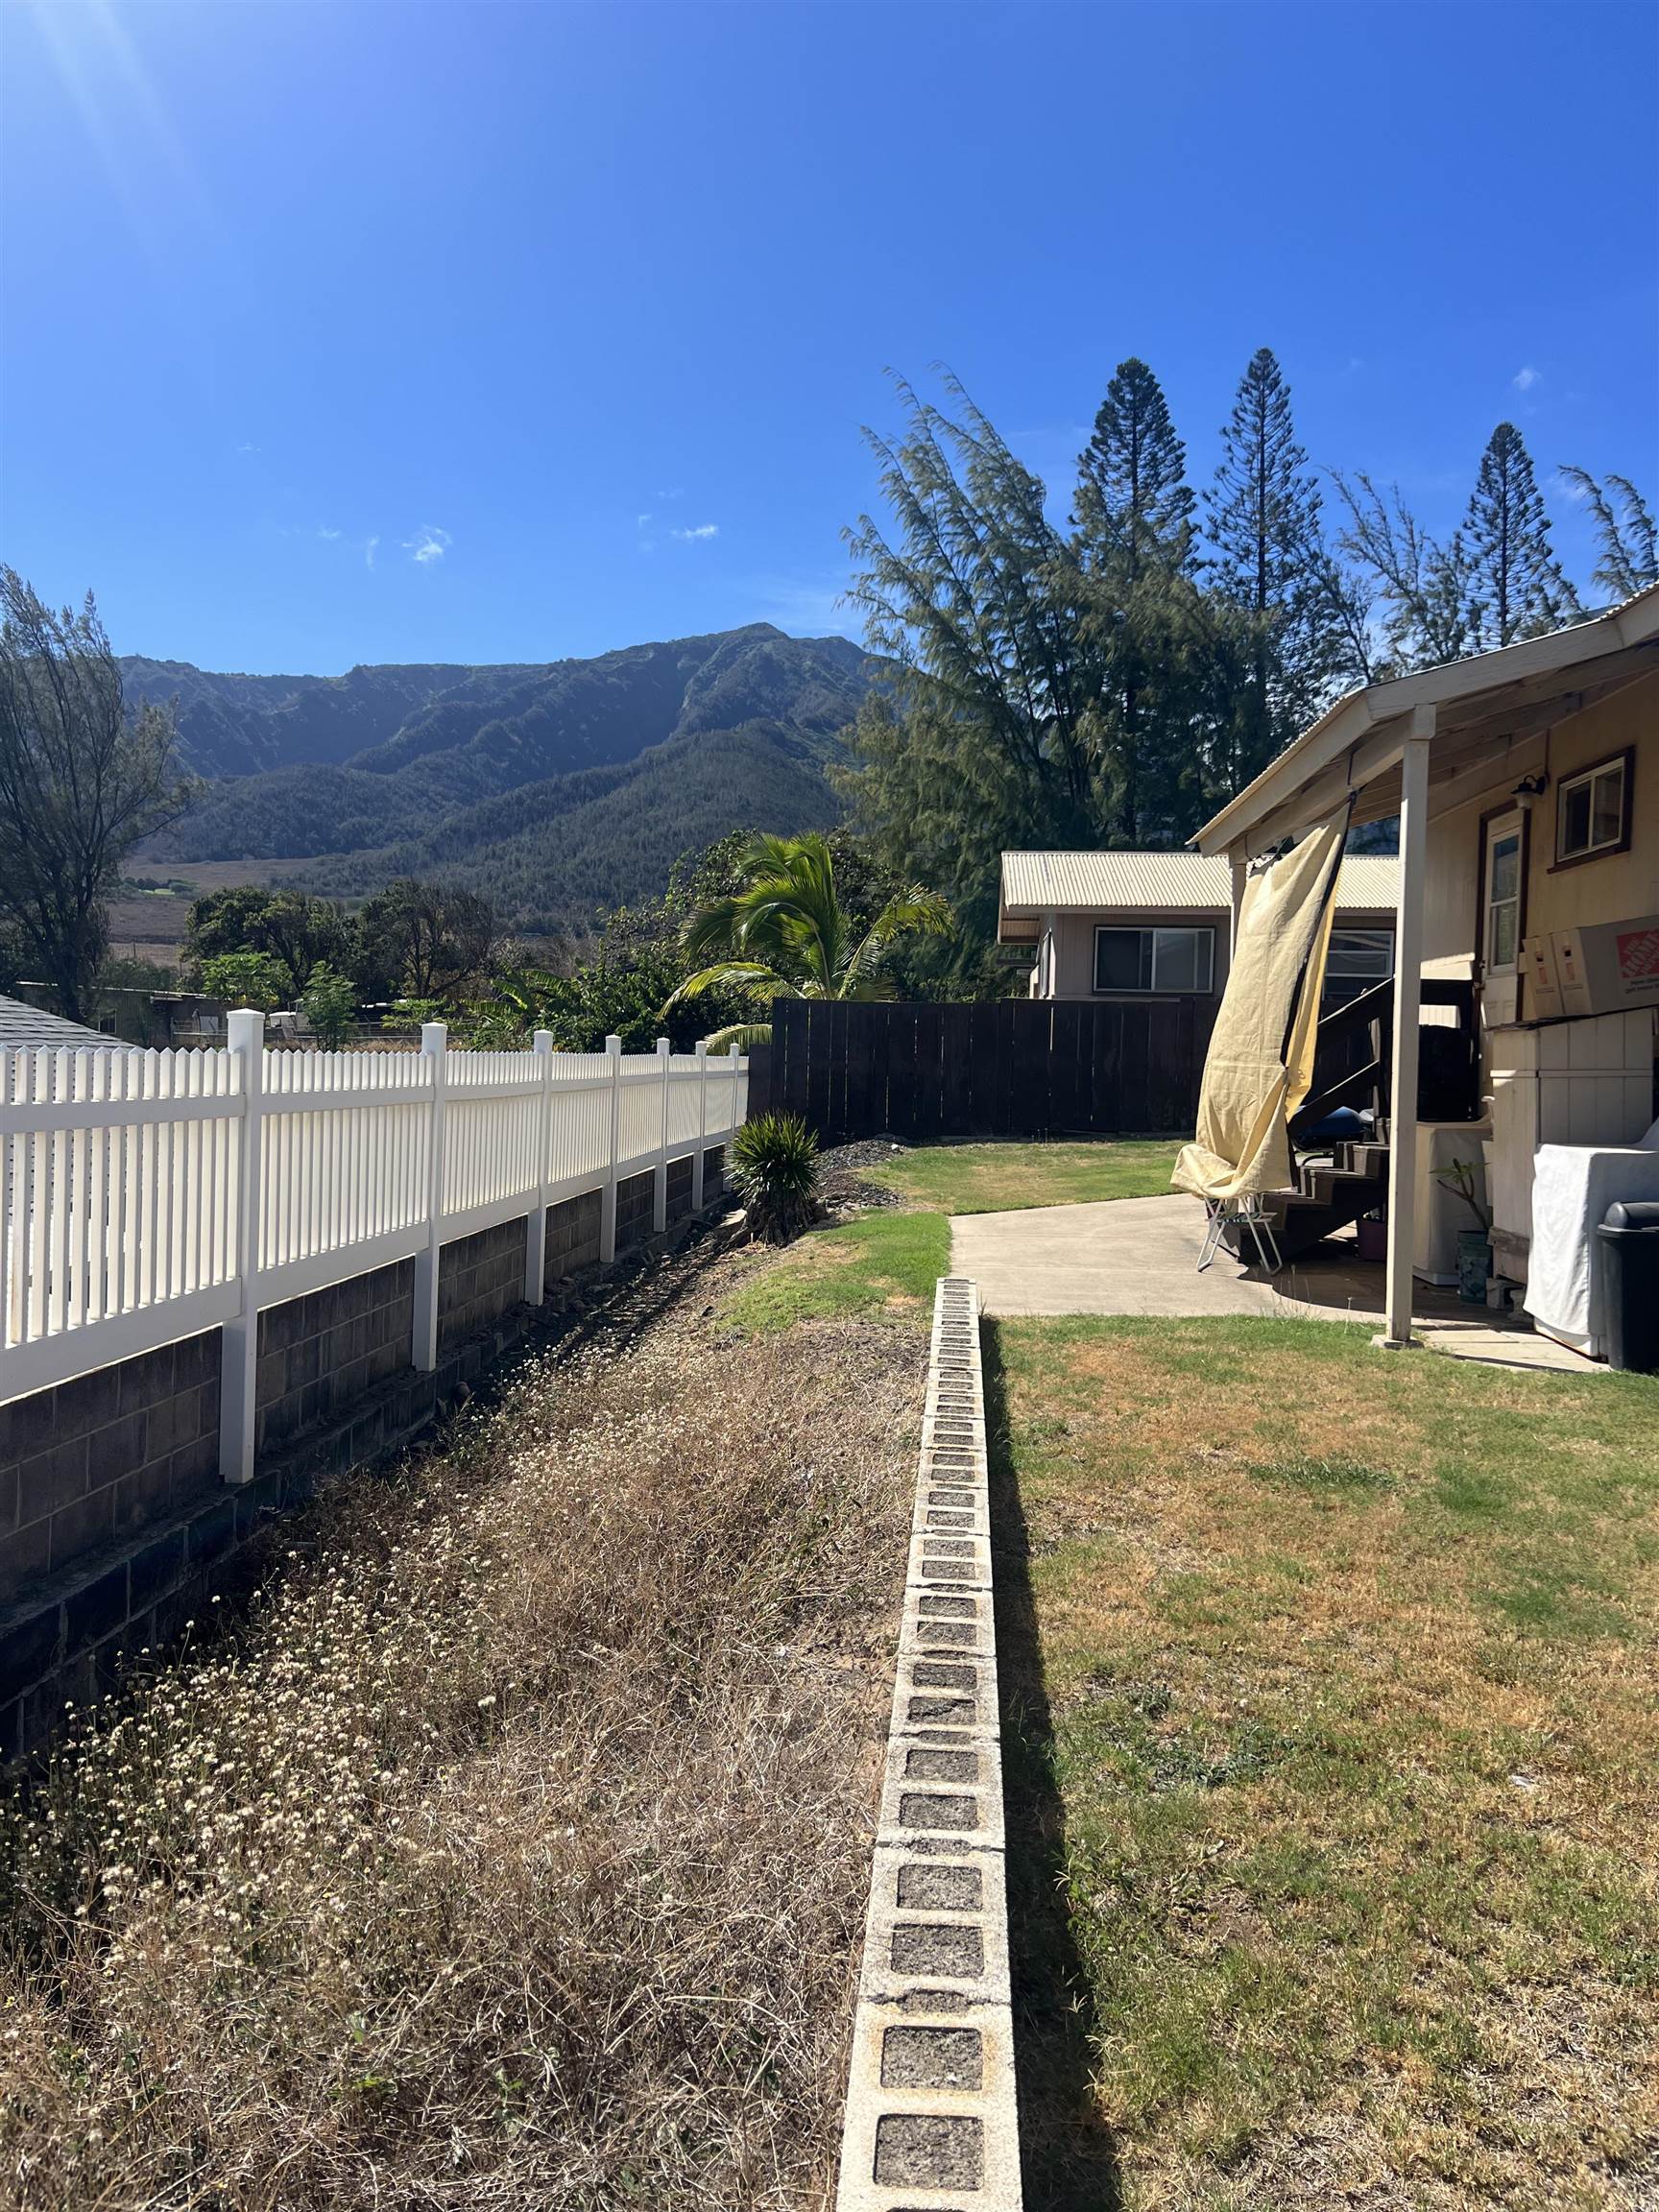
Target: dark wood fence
x,y
1013,1068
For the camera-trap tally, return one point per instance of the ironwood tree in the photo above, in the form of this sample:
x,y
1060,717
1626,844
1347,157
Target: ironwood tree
x,y
81,782
1628,544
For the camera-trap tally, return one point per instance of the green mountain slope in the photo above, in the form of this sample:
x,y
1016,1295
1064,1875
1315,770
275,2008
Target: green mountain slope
x,y
555,788
553,854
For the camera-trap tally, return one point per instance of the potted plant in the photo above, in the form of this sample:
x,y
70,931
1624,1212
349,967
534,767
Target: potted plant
x,y
1473,1246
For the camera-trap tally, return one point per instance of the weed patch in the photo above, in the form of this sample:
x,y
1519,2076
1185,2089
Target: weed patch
x,y
511,1852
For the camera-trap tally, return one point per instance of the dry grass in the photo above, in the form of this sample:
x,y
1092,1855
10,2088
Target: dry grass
x,y
1354,1667
513,1852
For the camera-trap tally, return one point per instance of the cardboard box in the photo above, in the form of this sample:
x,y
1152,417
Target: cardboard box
x,y
1609,968
1543,999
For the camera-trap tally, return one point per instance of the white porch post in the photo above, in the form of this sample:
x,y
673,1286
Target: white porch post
x,y
1407,1004
1237,868
239,1349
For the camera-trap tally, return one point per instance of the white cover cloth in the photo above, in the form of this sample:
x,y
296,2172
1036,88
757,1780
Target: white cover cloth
x,y
1573,1187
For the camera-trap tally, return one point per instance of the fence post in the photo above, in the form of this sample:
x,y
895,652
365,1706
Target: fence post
x,y
239,1348
701,1125
659,1180
424,1349
536,1223
608,1199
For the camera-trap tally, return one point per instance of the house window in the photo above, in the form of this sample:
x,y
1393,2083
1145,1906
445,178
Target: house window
x,y
1593,811
1154,960
1359,956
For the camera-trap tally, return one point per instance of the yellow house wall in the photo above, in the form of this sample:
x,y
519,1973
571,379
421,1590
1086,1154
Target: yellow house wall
x,y
1610,889
1620,884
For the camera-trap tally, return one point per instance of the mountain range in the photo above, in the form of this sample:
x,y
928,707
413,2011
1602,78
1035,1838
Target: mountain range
x,y
557,788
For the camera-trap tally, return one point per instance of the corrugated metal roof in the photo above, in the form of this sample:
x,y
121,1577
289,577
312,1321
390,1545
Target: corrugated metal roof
x,y
1035,883
21,1023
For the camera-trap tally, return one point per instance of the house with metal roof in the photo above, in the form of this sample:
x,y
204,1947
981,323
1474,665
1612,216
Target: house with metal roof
x,y
1526,782
1138,924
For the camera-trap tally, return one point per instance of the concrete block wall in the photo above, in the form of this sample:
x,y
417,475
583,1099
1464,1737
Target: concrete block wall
x,y
113,1522
97,1461
479,1278
633,1201
679,1188
573,1237
319,1352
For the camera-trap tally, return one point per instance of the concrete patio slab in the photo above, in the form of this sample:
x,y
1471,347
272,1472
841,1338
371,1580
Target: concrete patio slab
x,y
1139,1256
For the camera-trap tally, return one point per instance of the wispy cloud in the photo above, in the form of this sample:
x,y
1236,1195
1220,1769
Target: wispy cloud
x,y
651,534
1524,378
323,531
371,546
1569,488
427,545
246,448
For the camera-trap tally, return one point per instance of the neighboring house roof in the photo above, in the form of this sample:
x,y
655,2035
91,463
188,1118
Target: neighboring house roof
x,y
24,1024
1478,707
1035,884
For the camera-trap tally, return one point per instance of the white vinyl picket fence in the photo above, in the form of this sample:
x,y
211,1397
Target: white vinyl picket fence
x,y
147,1195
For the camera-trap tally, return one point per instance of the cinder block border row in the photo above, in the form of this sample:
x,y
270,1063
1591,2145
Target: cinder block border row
x,y
932,2123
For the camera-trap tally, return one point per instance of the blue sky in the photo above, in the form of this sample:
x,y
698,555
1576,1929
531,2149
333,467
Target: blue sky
x,y
383,332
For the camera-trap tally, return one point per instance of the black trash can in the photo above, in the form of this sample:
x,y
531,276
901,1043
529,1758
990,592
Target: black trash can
x,y
1629,1234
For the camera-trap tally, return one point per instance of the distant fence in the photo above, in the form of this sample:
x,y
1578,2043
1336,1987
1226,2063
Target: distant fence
x,y
1010,1068
148,1195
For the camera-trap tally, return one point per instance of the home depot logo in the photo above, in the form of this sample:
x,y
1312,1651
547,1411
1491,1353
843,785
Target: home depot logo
x,y
1638,955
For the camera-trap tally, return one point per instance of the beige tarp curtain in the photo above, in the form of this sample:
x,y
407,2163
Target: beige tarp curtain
x,y
1259,1064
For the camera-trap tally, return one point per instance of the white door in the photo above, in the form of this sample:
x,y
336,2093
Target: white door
x,y
1501,923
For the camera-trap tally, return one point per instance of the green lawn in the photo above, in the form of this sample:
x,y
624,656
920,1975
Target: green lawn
x,y
890,1261
1332,1771
1001,1178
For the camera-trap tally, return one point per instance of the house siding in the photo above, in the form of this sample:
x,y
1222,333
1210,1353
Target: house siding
x,y
1074,946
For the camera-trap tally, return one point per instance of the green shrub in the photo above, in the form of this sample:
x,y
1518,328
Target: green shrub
x,y
775,1166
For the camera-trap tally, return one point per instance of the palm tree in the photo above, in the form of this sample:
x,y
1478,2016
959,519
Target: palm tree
x,y
787,933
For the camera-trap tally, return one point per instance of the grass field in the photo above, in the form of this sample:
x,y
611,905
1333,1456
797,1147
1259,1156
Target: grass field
x,y
1000,1178
1336,1731
889,1260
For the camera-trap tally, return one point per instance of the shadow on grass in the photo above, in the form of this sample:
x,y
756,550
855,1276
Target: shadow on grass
x,y
1069,2156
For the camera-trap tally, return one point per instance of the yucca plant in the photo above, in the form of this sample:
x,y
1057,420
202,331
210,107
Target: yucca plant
x,y
775,1166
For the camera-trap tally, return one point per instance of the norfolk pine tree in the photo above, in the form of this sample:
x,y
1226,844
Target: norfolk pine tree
x,y
1516,587
1263,525
1138,607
